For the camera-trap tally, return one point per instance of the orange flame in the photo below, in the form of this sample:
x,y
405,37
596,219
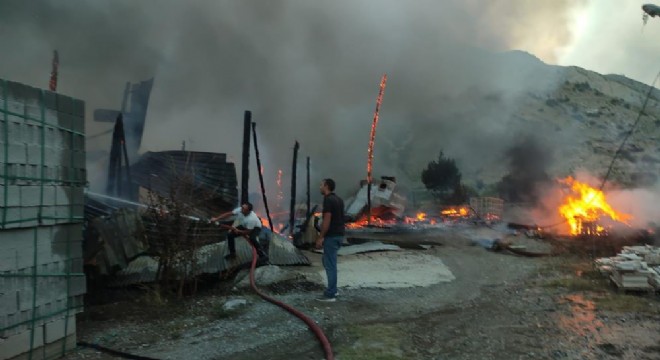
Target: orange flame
x,y
420,217
461,211
586,204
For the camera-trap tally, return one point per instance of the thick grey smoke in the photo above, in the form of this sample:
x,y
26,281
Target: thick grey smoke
x,y
308,71
529,161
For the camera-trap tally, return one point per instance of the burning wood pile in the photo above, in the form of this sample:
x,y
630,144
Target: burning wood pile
x,y
634,268
586,210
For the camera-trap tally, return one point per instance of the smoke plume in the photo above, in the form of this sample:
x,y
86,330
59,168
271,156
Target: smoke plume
x,y
528,163
308,71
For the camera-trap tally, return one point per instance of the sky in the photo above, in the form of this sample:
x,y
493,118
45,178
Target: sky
x,y
609,37
309,71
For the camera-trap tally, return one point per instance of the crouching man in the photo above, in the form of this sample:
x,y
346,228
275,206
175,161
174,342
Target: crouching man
x,y
247,224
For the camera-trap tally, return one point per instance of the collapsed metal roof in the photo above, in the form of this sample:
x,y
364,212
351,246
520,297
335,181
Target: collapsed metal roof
x,y
210,260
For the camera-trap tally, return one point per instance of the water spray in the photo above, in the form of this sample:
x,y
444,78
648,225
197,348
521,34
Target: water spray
x,y
133,203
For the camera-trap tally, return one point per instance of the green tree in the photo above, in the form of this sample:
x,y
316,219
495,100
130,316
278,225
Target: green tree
x,y
443,179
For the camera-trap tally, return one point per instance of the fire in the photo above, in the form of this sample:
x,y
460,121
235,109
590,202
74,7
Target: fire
x,y
420,217
461,211
377,222
584,206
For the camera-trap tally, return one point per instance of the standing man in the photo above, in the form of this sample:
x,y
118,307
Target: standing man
x,y
331,236
246,224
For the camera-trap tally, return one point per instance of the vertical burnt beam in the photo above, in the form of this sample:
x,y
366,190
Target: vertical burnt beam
x,y
309,199
245,166
124,100
261,175
118,144
114,164
369,202
128,182
292,209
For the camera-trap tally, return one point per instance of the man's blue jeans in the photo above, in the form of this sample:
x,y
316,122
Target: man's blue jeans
x,y
331,245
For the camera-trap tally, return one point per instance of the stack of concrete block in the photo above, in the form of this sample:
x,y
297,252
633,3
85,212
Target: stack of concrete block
x,y
632,275
42,181
650,254
655,278
634,268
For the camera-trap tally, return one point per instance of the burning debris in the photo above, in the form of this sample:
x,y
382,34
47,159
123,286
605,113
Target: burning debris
x,y
387,202
455,212
389,208
585,209
488,209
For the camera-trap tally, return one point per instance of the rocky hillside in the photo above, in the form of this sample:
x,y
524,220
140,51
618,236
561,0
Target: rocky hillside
x,y
578,116
603,110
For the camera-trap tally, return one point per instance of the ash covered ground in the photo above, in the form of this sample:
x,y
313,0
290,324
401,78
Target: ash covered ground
x,y
482,305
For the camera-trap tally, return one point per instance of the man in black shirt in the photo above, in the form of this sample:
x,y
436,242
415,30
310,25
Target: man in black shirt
x,y
331,236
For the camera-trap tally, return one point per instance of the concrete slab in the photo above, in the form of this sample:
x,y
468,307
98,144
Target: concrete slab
x,y
372,246
384,270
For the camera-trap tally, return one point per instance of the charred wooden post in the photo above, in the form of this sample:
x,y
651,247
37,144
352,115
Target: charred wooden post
x,y
369,202
292,214
110,185
372,138
261,175
128,165
245,166
124,99
309,199
117,151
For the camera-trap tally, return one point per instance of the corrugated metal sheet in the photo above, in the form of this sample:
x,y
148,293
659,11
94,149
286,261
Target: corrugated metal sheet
x,y
210,260
366,247
120,239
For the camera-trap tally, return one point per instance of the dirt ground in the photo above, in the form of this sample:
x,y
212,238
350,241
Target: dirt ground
x,y
499,306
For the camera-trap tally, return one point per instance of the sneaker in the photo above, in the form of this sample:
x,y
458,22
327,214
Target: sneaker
x,y
326,299
230,256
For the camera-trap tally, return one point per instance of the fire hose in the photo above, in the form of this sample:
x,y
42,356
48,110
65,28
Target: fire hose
x,y
310,323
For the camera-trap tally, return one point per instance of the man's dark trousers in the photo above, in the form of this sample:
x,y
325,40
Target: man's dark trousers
x,y
231,240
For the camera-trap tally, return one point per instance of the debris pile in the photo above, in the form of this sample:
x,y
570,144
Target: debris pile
x,y
634,268
387,201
